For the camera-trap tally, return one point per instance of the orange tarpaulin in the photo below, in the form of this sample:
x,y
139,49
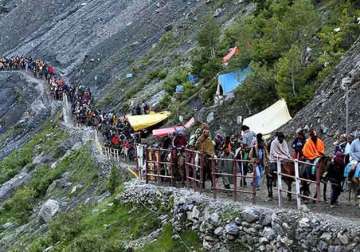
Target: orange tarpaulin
x,y
232,52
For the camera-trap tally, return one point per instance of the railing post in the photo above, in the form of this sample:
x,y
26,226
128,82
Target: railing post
x,y
157,163
194,167
318,184
243,179
279,189
202,172
213,171
254,185
234,178
146,166
187,162
297,184
172,165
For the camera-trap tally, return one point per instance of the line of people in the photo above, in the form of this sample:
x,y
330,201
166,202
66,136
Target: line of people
x,y
261,156
115,128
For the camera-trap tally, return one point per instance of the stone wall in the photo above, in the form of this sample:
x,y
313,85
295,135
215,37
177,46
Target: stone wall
x,y
227,226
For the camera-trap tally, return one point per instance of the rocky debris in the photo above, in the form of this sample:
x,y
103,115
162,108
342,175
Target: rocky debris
x,y
48,210
10,186
139,243
221,223
327,109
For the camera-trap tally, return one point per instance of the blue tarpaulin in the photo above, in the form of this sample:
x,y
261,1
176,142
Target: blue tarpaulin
x,y
230,81
179,89
192,79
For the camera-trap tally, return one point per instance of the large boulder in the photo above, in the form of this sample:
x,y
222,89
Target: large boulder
x,y
48,210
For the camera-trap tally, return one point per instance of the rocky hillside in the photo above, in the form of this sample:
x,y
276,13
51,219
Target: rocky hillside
x,y
24,107
327,111
58,193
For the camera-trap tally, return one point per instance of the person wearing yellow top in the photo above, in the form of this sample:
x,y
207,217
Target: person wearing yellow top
x,y
207,148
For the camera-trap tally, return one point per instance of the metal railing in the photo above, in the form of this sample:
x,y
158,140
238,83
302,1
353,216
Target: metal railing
x,y
296,177
161,166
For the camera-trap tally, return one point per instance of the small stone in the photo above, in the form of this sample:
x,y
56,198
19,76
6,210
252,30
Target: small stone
x,y
266,221
194,214
286,241
209,238
323,246
232,229
219,231
250,215
262,248
214,219
269,233
343,238
326,237
8,225
304,223
48,210
175,237
230,237
207,245
263,240
285,225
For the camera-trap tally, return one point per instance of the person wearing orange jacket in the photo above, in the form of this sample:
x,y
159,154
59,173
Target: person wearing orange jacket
x,y
313,150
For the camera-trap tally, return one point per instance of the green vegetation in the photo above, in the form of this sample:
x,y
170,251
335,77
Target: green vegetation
x,y
187,241
291,45
19,207
114,180
47,142
105,228
205,59
109,227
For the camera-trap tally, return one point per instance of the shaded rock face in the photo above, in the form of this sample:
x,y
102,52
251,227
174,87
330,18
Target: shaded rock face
x,y
48,210
327,110
24,105
15,97
100,36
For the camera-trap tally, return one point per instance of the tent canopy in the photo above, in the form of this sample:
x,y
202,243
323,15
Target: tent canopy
x,y
270,119
231,53
230,81
166,131
139,122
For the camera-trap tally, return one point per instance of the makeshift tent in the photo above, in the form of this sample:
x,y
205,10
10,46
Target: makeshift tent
x,y
139,122
179,89
269,119
192,79
166,131
228,82
190,123
231,53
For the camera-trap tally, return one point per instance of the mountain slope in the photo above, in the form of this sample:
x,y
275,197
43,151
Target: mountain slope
x,y
326,111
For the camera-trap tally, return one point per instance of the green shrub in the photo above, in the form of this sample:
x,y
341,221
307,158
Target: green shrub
x,y
20,205
114,179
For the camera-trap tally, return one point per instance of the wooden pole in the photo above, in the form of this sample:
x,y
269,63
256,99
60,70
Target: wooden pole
x,y
297,184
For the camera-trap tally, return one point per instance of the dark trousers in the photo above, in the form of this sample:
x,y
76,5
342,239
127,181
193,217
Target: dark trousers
x,y
207,170
335,192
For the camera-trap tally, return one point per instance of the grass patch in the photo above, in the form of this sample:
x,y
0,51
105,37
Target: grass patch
x,y
47,142
19,207
105,228
189,241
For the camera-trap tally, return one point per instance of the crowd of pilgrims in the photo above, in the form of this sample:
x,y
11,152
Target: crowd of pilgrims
x,y
115,128
246,145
